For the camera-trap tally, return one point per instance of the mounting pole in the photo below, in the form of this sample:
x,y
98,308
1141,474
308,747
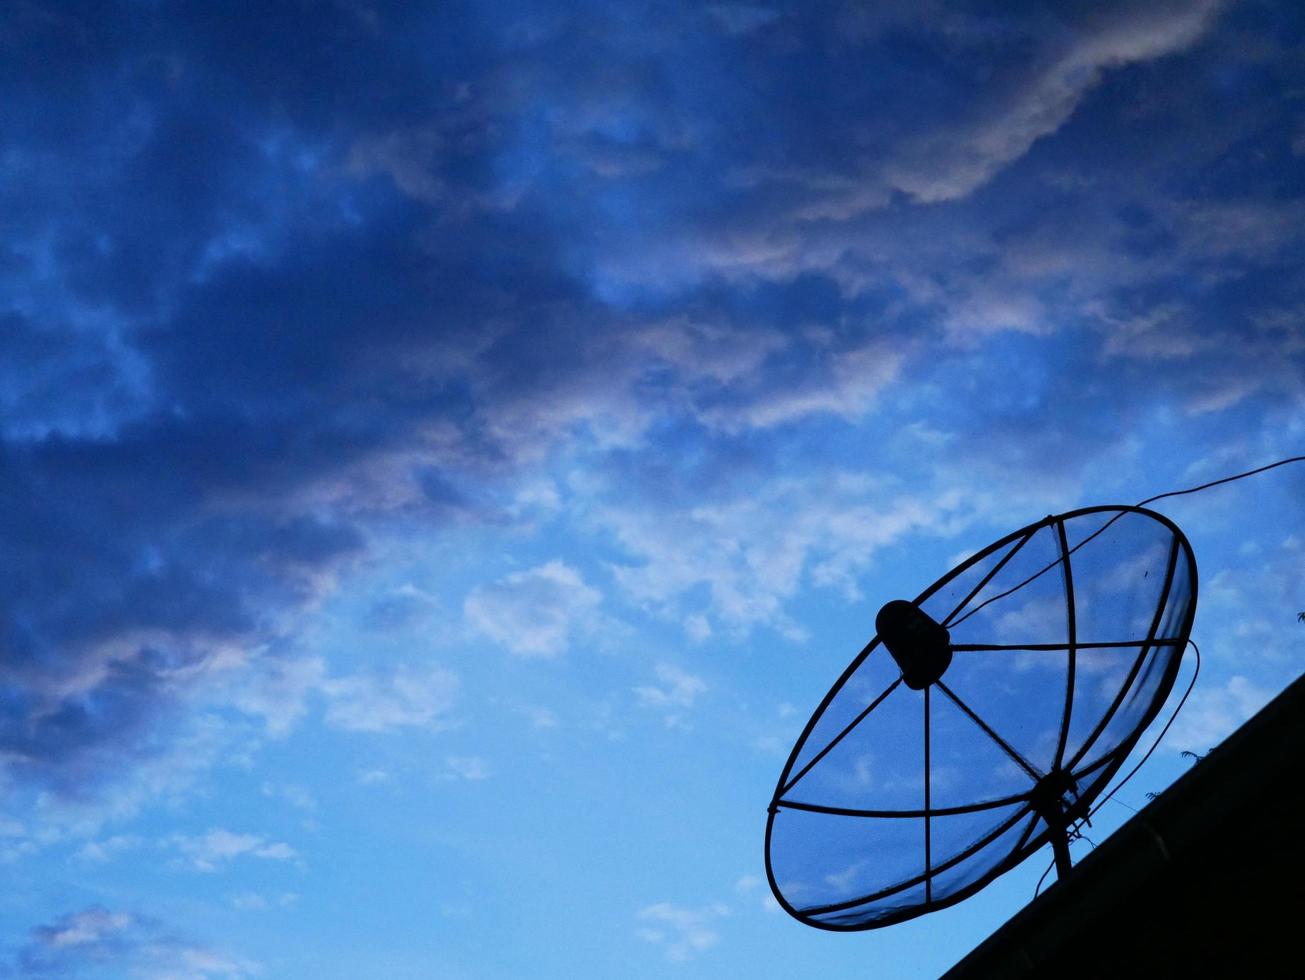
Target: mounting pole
x,y
1060,848
1049,805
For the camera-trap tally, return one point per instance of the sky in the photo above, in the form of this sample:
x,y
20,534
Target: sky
x,y
447,451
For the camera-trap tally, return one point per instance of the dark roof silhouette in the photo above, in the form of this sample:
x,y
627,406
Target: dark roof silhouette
x,y
1204,881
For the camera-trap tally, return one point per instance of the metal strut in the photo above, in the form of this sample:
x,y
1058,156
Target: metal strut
x,y
1060,848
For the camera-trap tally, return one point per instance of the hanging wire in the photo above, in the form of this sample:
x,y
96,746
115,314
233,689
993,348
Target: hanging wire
x,y
1073,833
1226,479
1196,673
1160,496
1043,878
1132,772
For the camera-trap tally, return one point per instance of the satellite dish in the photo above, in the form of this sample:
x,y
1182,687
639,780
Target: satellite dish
x,y
982,720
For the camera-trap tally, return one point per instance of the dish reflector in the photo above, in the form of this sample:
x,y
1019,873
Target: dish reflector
x,y
982,720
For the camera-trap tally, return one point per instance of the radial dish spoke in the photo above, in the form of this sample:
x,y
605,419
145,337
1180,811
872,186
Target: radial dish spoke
x,y
840,736
951,862
990,575
1024,763
1167,641
928,856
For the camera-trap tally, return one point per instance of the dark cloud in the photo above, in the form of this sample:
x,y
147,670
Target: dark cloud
x,y
271,279
98,941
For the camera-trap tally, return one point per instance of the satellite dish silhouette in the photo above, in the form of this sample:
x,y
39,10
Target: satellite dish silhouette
x,y
982,720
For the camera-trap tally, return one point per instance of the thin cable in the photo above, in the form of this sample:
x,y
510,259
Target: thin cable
x,y
1226,479
1159,738
1044,877
1040,572
1103,527
1079,835
1074,833
1195,674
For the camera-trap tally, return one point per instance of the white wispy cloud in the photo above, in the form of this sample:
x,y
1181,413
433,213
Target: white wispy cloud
x,y
98,852
679,689
539,716
410,697
1213,713
675,693
681,931
753,889
468,767
847,385
179,961
535,612
276,690
256,902
950,165
752,554
296,795
210,851
281,691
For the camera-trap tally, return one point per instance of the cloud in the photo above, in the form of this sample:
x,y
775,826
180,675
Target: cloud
x,y
280,690
296,795
952,165
753,888
242,337
254,902
541,718
98,852
276,689
680,689
684,931
681,932
848,386
218,847
676,693
97,938
734,317
741,18
409,698
749,554
178,759
248,902
467,767
411,158
534,613
400,607
89,927
1214,713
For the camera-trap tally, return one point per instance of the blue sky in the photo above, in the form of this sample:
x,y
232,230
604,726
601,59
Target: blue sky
x,y
449,450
